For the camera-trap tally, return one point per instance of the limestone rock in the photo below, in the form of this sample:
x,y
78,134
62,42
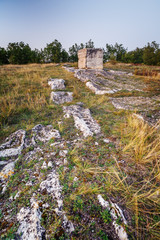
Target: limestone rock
x,y
30,226
50,164
61,97
44,165
69,69
13,144
44,133
106,140
63,153
82,76
90,58
83,119
116,213
7,171
119,73
106,81
53,187
139,103
97,90
56,83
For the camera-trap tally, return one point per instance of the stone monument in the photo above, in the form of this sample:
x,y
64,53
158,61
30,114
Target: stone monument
x,y
91,58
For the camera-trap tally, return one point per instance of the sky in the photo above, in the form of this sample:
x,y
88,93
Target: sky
x,y
132,23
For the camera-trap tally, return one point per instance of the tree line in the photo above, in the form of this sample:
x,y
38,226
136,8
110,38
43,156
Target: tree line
x,y
21,53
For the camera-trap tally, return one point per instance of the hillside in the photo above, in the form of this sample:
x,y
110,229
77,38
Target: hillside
x,y
79,152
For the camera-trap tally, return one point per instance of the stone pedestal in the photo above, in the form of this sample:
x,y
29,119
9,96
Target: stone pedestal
x,y
90,58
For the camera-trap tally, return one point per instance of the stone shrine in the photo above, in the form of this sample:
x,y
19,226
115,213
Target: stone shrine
x,y
91,58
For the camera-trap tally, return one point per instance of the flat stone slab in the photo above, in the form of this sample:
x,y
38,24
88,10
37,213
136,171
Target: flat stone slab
x,y
83,120
99,90
61,97
13,144
108,81
69,69
55,84
119,73
139,103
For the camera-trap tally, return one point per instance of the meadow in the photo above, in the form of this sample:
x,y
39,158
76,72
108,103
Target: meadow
x,y
125,170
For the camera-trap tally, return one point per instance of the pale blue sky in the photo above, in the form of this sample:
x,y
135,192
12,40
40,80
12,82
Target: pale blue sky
x,y
37,22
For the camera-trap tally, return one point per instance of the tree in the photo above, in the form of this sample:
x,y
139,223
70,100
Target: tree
x,y
3,56
116,52
135,56
52,53
36,56
151,53
120,51
19,53
89,44
64,56
73,52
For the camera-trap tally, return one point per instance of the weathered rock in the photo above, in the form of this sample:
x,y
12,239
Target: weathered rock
x,y
90,58
97,90
82,75
44,133
119,73
61,97
116,213
106,140
44,165
63,153
56,83
85,75
104,81
139,103
53,187
13,144
30,226
69,69
83,119
50,164
5,173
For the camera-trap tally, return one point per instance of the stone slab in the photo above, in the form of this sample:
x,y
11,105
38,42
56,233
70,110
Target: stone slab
x,y
61,97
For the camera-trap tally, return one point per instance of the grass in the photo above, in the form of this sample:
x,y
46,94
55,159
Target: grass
x,y
125,171
143,144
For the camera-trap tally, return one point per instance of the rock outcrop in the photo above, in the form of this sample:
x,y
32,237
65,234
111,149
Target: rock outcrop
x,y
116,213
55,84
83,120
30,222
61,97
13,145
53,187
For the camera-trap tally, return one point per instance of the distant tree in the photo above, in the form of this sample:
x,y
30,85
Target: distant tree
x,y
110,51
52,52
3,56
120,51
64,56
151,53
135,56
73,52
114,52
89,44
19,53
